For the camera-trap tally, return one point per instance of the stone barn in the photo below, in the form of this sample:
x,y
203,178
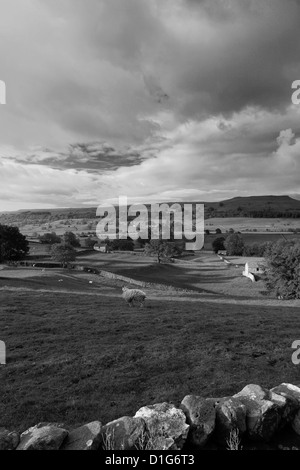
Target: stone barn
x,y
103,248
253,269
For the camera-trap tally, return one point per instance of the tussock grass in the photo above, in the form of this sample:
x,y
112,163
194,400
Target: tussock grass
x,y
234,441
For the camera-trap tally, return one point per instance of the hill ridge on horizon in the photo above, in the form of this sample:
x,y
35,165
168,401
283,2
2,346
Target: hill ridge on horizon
x,y
241,206
285,197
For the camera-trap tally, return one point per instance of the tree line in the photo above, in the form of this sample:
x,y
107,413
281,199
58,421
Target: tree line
x,y
282,261
234,245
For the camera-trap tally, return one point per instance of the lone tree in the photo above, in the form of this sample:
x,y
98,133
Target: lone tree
x,y
161,249
90,242
283,268
255,249
70,239
63,253
50,238
218,244
13,245
210,211
234,244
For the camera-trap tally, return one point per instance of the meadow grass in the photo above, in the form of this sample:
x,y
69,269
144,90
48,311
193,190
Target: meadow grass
x,y
77,358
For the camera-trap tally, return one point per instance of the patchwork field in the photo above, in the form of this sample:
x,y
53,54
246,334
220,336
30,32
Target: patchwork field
x,y
59,227
39,250
242,224
251,238
245,224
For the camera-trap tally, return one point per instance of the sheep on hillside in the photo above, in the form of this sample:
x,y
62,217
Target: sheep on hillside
x,y
133,295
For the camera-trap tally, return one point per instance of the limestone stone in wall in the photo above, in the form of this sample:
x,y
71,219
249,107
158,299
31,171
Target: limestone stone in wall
x,y
125,433
43,436
230,417
8,440
263,416
119,277
296,423
166,425
201,416
87,437
292,393
287,390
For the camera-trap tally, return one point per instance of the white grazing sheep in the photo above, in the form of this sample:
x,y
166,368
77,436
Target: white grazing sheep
x,y
133,295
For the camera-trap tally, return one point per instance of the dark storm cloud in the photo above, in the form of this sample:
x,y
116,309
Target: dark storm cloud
x,y
103,69
99,156
240,53
148,97
93,156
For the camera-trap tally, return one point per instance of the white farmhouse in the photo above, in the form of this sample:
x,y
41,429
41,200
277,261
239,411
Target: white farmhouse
x,y
252,269
102,247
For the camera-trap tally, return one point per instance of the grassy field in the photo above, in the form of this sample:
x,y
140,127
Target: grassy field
x,y
82,354
242,224
204,272
39,250
76,352
60,227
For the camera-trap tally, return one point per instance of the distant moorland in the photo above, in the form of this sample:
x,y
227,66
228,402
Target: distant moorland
x,y
252,206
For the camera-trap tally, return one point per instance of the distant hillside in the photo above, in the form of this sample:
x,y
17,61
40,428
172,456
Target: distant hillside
x,y
252,206
46,216
255,206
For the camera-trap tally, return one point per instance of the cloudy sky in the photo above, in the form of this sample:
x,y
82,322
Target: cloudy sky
x,y
152,99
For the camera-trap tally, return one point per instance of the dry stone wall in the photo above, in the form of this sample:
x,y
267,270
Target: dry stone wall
x,y
254,418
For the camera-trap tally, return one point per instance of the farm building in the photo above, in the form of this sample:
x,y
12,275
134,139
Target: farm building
x,y
253,269
103,247
33,240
